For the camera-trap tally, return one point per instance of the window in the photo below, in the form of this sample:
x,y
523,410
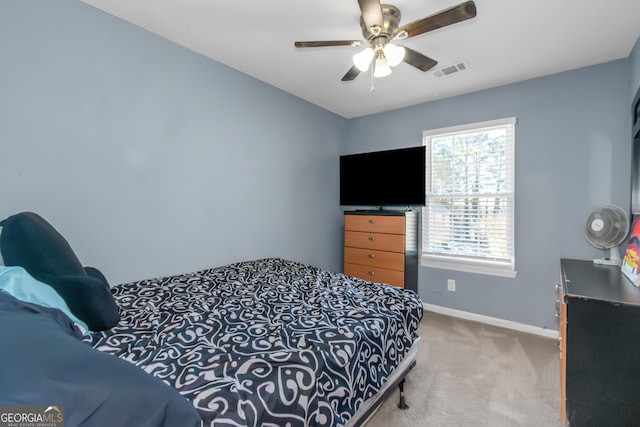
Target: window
x,y
468,219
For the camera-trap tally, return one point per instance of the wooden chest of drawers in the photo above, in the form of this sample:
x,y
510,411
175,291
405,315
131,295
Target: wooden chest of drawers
x,y
381,246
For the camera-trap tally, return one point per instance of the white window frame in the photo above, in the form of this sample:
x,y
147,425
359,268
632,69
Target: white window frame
x,y
472,264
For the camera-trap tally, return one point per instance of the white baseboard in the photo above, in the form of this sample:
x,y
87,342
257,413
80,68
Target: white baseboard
x,y
494,321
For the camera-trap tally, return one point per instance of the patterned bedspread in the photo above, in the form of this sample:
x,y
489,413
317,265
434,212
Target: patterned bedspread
x,y
269,342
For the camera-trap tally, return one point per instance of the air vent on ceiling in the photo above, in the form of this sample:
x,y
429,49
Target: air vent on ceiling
x,y
449,70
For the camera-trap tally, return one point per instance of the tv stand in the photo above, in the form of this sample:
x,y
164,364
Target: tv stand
x,y
382,246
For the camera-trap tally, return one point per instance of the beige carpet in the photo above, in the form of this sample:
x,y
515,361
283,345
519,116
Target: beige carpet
x,y
472,374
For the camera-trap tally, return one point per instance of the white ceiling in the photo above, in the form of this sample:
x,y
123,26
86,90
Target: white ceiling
x,y
508,41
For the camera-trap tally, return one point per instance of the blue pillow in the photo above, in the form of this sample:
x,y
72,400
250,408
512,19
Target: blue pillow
x,y
43,363
17,282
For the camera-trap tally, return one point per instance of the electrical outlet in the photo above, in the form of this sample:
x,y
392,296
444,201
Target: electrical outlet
x,y
451,285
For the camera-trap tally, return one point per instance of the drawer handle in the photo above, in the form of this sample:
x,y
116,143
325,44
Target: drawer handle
x,y
372,221
372,238
372,273
372,255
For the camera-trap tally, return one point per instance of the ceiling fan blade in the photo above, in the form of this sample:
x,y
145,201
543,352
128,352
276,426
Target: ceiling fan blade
x,y
418,60
351,74
328,43
453,15
371,13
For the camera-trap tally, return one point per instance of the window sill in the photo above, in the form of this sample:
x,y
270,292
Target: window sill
x,y
469,267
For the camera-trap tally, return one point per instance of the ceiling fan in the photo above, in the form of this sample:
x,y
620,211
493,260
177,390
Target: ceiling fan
x,y
380,25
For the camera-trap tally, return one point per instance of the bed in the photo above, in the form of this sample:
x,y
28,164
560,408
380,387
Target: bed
x,y
268,342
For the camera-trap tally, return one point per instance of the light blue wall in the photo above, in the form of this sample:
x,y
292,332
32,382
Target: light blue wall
x,y
635,67
572,154
151,159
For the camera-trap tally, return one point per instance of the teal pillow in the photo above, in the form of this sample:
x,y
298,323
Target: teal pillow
x,y
1,260
18,283
29,241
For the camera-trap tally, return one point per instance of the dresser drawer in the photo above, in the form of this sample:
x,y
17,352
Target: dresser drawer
x,y
386,242
375,274
373,258
375,223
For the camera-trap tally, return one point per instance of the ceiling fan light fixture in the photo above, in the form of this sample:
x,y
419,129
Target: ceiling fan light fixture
x,y
380,25
363,59
382,68
394,54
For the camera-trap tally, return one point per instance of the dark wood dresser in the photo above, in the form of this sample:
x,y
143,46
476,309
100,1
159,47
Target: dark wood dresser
x,y
600,345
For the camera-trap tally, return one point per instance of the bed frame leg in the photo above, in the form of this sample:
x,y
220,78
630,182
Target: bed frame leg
x,y
402,404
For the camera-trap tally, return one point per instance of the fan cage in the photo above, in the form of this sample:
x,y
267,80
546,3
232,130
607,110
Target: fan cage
x,y
607,227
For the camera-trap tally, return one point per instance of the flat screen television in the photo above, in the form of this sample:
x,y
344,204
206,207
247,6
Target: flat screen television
x,y
383,178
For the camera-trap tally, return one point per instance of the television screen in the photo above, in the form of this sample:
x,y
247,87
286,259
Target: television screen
x,y
383,178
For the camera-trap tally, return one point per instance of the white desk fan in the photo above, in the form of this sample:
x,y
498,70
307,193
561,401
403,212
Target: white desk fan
x,y
606,228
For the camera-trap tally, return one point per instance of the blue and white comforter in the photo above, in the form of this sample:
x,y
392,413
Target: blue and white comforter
x,y
269,342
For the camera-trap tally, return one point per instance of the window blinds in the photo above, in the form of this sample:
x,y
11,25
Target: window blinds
x,y
469,213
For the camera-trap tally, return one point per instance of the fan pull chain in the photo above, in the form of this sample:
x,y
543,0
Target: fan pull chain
x,y
373,64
